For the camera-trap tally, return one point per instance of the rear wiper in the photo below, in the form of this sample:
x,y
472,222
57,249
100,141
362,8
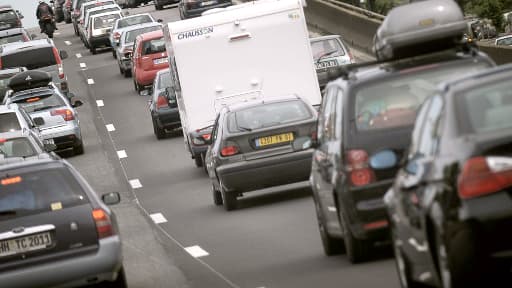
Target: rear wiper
x,y
325,55
245,128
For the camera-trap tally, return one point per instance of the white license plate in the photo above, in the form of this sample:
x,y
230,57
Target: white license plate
x,y
160,60
49,141
206,3
326,64
25,244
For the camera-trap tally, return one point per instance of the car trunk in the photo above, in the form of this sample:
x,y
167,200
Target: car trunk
x,y
50,121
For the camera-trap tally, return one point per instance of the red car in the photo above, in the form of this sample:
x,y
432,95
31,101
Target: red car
x,y
149,56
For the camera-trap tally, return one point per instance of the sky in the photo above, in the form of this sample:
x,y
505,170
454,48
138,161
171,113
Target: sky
x,y
27,8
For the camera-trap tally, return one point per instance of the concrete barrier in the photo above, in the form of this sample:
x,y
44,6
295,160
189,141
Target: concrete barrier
x,y
500,55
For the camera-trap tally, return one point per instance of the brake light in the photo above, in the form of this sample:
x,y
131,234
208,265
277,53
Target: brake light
x,y
351,57
357,165
376,225
162,102
103,223
11,180
65,113
207,136
59,63
229,150
484,175
190,3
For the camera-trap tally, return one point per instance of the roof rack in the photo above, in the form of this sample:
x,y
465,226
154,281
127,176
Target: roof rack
x,y
29,80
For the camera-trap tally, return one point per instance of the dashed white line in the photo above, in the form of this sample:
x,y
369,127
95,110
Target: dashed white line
x,y
135,183
158,218
196,251
67,43
90,81
82,65
110,127
100,103
56,33
78,55
331,208
121,154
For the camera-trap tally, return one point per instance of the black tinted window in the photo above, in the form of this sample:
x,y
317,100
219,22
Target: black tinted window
x,y
9,122
16,147
153,46
32,59
40,103
267,115
31,192
133,21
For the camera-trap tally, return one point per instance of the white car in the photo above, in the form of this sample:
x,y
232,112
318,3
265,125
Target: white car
x,y
504,41
123,24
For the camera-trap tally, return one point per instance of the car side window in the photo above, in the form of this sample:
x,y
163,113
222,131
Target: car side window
x,y
429,134
411,166
215,128
339,114
325,118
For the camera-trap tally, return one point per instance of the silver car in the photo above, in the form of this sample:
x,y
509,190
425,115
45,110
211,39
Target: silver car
x,y
329,51
125,23
49,108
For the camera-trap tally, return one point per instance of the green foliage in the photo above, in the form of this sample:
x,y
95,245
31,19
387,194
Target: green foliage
x,y
490,9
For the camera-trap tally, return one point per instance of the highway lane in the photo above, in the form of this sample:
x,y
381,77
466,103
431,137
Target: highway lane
x,y
272,241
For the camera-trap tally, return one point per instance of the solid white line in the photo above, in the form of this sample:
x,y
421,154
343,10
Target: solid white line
x,y
135,183
78,55
158,218
110,127
67,43
100,103
56,33
121,154
331,208
82,65
196,251
90,81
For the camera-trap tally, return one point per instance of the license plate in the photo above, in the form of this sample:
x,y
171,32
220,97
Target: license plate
x,y
274,139
206,3
326,64
160,60
25,244
49,141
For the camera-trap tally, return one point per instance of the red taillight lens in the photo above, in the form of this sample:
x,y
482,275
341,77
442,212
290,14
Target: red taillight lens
x,y
229,150
103,223
484,175
65,113
357,165
207,136
161,102
59,62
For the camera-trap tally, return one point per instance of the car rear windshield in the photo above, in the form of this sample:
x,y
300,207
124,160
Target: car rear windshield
x,y
131,35
40,102
505,41
130,21
486,108
105,21
394,101
153,46
164,80
96,4
36,191
92,13
12,39
16,147
32,59
268,115
9,122
8,15
324,48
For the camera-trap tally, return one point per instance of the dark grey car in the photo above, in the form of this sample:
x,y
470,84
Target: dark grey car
x,y
163,105
252,147
52,220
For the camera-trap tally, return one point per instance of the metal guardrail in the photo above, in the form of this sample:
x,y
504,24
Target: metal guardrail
x,y
358,10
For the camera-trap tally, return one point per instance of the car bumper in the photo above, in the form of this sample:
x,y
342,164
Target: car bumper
x,y
168,118
65,137
98,41
126,63
102,265
146,77
196,12
165,2
266,172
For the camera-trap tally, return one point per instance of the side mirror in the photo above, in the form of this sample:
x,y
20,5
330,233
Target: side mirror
x,y
49,147
384,159
39,121
63,54
77,103
159,20
302,143
111,198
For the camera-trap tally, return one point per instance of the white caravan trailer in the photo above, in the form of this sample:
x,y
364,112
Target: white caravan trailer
x,y
254,50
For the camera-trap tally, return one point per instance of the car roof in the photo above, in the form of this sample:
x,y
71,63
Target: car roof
x,y
8,108
15,134
32,44
504,37
12,31
252,103
12,71
323,38
37,163
105,14
102,7
477,78
5,7
94,2
141,25
151,35
137,15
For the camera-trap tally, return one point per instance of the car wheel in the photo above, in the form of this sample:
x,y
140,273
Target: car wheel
x,y
228,199
119,283
217,196
127,73
93,50
121,70
76,30
158,7
114,54
198,161
159,132
79,149
402,265
331,245
357,250
203,159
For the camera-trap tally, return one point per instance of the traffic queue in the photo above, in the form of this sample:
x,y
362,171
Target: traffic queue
x,y
411,151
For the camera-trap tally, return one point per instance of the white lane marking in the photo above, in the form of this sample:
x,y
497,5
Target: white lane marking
x,y
82,65
331,208
78,55
67,43
158,218
56,33
100,103
196,251
417,246
121,154
90,81
110,127
135,183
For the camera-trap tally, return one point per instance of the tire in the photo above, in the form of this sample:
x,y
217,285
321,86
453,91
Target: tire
x,y
121,70
402,266
228,199
159,132
120,282
136,86
114,54
127,73
93,50
203,159
198,161
79,149
358,250
158,7
76,30
217,196
48,29
331,245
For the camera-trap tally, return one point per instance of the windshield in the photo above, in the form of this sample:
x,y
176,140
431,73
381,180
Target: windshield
x,y
40,103
153,46
17,147
32,192
32,59
130,21
268,115
164,80
394,102
329,47
12,39
9,122
131,35
106,21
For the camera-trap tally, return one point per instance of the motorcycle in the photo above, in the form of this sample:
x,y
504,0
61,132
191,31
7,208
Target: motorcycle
x,y
48,25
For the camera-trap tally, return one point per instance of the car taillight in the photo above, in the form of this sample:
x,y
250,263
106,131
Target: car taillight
x,y
117,35
484,175
161,102
229,150
103,223
59,63
207,136
351,57
357,165
65,113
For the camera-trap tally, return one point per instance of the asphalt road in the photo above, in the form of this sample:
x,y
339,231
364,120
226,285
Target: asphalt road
x,y
272,241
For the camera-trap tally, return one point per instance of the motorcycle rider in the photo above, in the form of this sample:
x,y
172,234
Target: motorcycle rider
x,y
42,10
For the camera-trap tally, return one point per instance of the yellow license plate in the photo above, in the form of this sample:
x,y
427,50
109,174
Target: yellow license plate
x,y
274,139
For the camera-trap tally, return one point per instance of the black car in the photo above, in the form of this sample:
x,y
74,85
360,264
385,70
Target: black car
x,y
194,8
159,4
52,220
451,203
9,18
252,147
163,106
